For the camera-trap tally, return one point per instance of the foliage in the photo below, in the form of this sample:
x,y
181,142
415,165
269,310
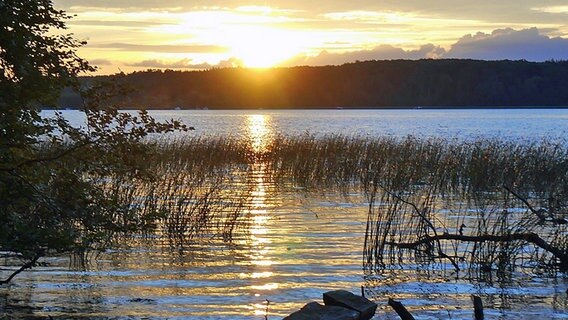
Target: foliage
x,y
52,175
369,84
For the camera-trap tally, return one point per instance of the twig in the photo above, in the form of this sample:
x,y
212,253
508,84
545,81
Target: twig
x,y
46,158
400,310
538,213
477,307
266,312
430,225
26,266
528,237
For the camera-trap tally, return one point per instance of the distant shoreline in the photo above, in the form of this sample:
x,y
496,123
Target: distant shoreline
x,y
337,109
392,84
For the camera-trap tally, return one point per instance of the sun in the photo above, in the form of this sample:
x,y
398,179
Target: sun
x,y
264,47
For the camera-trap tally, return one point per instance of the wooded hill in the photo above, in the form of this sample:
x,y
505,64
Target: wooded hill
x,y
368,84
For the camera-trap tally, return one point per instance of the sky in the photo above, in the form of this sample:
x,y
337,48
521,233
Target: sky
x,y
195,35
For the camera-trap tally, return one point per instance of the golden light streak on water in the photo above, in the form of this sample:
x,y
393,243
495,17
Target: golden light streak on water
x,y
310,241
259,131
262,249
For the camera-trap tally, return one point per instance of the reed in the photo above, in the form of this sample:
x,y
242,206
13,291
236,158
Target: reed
x,y
475,206
184,192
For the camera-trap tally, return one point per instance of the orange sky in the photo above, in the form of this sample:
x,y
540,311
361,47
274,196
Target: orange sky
x,y
137,35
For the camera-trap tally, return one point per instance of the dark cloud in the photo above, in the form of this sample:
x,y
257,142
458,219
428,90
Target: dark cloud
x,y
100,62
162,48
526,44
185,64
504,11
382,52
107,23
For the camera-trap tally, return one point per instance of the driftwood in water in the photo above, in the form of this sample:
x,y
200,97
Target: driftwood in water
x,y
339,304
477,307
400,310
346,299
28,265
404,314
532,238
408,226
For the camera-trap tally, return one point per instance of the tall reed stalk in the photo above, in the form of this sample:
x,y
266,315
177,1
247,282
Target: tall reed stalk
x,y
471,206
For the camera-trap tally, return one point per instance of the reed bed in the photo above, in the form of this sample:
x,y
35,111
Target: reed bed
x,y
477,207
182,192
474,208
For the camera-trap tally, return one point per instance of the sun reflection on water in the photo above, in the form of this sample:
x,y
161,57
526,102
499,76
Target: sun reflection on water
x,y
259,131
260,241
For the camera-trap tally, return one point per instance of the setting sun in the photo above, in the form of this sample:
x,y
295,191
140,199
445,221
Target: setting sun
x,y
262,35
216,159
261,47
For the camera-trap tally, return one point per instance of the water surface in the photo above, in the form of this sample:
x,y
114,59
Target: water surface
x,y
456,123
300,243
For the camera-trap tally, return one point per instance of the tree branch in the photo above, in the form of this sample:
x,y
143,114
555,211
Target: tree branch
x,y
430,225
46,159
532,238
539,213
30,264
400,310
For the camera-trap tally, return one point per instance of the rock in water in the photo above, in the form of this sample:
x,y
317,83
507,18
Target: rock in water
x,y
316,311
346,299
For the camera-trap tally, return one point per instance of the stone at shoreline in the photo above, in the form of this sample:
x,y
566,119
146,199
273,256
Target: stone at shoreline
x,y
346,299
316,311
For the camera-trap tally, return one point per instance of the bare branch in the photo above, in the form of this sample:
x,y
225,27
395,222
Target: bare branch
x,y
400,309
532,238
47,158
30,264
430,225
538,213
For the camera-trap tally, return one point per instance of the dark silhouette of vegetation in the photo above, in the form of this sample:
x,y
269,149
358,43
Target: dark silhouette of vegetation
x,y
369,84
54,177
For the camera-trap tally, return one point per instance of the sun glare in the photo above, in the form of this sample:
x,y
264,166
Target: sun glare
x,y
263,47
259,130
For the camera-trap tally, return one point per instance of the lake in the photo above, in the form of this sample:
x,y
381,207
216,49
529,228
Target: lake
x,y
300,243
504,123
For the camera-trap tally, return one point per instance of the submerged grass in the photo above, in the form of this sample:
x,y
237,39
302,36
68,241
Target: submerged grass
x,y
199,188
456,166
480,206
465,206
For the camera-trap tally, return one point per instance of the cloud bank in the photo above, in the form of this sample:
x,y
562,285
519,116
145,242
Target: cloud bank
x,y
382,52
496,11
161,48
526,44
501,44
185,64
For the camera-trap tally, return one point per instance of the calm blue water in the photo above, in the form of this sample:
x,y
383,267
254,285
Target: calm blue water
x,y
505,123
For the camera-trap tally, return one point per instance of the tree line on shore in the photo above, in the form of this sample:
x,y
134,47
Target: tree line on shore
x,y
367,84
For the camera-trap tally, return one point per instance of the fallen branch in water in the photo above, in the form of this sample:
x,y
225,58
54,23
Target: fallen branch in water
x,y
542,214
400,310
538,213
477,308
532,238
30,264
421,214
404,314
